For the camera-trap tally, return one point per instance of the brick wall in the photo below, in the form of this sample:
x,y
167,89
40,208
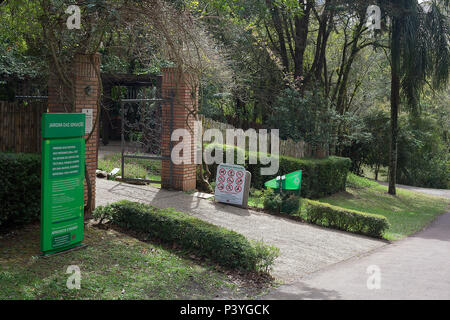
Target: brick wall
x,y
179,86
83,75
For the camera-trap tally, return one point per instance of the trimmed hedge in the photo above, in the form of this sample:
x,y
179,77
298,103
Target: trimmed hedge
x,y
320,177
225,247
20,188
347,220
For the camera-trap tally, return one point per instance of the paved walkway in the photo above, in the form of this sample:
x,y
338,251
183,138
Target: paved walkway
x,y
304,248
435,192
415,268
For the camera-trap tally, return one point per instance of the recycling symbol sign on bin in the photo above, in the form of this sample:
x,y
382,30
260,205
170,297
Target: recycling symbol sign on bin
x,y
291,181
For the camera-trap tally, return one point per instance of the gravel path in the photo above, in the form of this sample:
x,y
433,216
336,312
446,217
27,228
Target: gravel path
x,y
304,248
434,192
412,269
416,268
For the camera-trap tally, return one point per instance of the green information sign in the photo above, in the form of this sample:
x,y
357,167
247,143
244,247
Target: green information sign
x,y
291,181
62,182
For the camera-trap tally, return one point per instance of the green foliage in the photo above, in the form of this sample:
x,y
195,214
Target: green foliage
x,y
422,155
255,199
320,177
20,42
365,140
408,212
290,204
254,79
102,213
115,267
227,248
302,117
13,63
265,255
20,191
422,148
356,182
422,48
272,201
135,168
347,220
214,103
276,202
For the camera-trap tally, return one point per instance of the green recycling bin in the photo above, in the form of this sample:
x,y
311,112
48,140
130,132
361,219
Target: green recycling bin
x,y
291,181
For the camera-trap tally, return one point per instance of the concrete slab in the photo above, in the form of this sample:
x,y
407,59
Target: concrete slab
x,y
202,195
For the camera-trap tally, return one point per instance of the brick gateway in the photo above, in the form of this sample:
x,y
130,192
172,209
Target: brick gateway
x,y
177,103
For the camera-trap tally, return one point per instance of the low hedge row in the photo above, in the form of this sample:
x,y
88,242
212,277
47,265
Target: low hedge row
x,y
225,247
320,177
20,188
347,220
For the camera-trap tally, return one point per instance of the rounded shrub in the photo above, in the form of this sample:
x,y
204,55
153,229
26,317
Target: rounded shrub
x,y
272,201
290,204
20,191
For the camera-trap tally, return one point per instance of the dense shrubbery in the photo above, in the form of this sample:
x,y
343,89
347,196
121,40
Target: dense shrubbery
x,y
20,188
286,203
272,201
320,177
422,151
302,116
226,247
14,64
423,155
347,220
291,204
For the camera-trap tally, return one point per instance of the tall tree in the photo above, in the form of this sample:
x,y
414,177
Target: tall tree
x,y
419,43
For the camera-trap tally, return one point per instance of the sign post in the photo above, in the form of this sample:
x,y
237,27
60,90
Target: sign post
x,y
232,185
62,182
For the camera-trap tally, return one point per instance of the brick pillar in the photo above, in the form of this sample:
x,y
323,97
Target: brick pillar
x,y
83,76
179,86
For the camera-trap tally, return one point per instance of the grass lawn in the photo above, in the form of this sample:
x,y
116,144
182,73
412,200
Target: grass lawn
x,y
255,199
114,266
408,212
134,168
370,173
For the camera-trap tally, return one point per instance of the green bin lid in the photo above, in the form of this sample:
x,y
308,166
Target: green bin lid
x,y
291,181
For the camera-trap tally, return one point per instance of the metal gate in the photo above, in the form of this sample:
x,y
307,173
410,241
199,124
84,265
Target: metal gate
x,y
141,133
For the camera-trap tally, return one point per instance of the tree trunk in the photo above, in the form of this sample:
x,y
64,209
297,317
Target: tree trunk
x,y
300,38
278,25
346,67
395,101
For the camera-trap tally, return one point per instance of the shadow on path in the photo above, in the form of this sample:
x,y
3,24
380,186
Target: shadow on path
x,y
302,291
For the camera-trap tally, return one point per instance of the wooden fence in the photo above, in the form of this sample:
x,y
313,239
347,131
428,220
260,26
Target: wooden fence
x,y
290,148
295,149
20,126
